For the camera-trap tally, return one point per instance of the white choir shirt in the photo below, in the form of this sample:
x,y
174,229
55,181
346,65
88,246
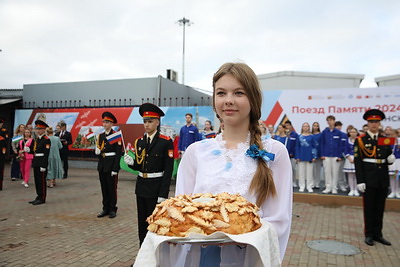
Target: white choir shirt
x,y
208,167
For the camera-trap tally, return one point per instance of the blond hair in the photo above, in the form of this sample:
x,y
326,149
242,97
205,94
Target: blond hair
x,y
49,130
262,183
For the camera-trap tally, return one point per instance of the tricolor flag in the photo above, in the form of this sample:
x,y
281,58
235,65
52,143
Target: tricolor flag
x,y
115,137
386,141
90,135
16,139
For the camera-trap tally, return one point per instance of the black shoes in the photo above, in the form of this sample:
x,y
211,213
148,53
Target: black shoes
x,y
102,214
111,214
38,202
383,241
369,241
31,202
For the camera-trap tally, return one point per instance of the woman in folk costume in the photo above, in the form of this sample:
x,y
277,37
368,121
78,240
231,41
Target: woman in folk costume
x,y
240,161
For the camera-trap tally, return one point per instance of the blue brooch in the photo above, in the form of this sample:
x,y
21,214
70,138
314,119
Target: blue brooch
x,y
255,153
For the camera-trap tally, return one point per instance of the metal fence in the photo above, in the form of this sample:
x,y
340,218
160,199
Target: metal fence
x,y
98,103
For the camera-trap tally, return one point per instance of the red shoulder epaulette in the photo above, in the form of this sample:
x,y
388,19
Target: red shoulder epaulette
x,y
361,135
46,137
1,137
139,137
165,137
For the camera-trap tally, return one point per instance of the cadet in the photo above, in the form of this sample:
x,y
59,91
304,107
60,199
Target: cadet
x,y
3,152
371,162
108,166
154,161
41,150
3,131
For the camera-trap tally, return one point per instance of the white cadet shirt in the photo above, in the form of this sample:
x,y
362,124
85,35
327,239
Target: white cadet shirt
x,y
208,167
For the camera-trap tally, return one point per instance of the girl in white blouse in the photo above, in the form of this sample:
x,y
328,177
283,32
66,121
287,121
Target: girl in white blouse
x,y
240,161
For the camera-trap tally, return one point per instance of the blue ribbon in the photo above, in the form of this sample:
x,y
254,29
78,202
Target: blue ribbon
x,y
255,153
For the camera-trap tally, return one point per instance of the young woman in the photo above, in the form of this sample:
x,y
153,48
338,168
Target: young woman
x,y
317,167
25,158
226,163
55,167
394,169
349,162
264,130
281,134
305,155
208,130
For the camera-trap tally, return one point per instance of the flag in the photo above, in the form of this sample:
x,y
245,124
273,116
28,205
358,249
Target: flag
x,y
16,139
386,141
115,137
90,135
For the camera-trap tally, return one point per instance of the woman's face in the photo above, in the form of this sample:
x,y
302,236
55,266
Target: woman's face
x,y
353,133
27,133
315,126
207,125
305,127
21,128
280,128
389,131
231,101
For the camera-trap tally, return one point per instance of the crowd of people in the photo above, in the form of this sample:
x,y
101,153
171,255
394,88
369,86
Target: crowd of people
x,y
245,156
318,157
328,155
24,150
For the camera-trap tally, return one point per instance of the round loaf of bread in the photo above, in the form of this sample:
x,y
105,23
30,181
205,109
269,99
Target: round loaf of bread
x,y
204,214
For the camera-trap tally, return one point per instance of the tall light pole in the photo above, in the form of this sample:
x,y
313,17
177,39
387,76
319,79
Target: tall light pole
x,y
183,22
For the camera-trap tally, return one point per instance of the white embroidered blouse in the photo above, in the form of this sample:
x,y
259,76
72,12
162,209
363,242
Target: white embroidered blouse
x,y
208,167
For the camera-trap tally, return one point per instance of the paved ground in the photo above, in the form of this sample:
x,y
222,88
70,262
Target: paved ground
x,y
66,232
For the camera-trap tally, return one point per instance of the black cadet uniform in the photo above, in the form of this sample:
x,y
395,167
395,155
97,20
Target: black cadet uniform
x,y
371,166
4,131
3,144
3,151
109,158
41,150
155,162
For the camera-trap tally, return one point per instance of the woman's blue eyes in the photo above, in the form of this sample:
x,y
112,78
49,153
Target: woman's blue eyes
x,y
220,93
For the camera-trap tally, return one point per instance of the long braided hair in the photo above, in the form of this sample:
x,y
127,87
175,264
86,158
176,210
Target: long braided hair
x,y
262,183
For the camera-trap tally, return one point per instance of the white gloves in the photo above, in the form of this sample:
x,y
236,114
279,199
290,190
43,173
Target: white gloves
x,y
361,187
391,159
42,169
160,199
114,173
27,149
128,159
97,151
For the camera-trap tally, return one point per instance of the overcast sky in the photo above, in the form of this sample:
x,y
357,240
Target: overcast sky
x,y
45,41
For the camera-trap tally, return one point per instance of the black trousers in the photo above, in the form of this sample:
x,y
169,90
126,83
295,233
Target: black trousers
x,y
374,205
109,185
145,207
15,169
1,173
64,158
40,183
